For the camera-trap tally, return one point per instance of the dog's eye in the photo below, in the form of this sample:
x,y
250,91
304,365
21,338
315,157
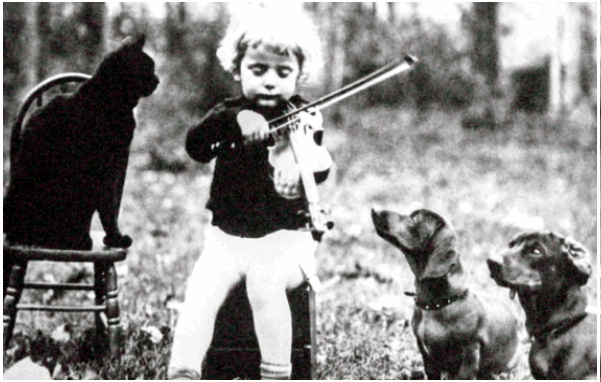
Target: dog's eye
x,y
536,251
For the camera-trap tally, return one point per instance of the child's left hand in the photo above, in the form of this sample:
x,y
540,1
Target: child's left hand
x,y
287,182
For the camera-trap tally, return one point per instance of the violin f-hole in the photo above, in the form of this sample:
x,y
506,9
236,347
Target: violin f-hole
x,y
318,137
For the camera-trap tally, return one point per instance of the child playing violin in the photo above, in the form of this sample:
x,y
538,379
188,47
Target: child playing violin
x,y
259,216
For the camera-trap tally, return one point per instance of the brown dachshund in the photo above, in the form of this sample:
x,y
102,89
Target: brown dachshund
x,y
460,335
548,271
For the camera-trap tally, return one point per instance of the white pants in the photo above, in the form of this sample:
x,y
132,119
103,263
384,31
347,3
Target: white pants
x,y
270,265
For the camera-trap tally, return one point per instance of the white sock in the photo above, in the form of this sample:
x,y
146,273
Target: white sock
x,y
275,371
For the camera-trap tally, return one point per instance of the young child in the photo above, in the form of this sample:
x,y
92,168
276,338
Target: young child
x,y
258,231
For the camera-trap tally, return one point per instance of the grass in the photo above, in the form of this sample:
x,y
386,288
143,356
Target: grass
x,y
491,185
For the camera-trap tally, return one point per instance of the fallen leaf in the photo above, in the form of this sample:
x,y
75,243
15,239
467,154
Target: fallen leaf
x,y
155,334
62,334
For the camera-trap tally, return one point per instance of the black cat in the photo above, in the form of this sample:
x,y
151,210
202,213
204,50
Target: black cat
x,y
73,157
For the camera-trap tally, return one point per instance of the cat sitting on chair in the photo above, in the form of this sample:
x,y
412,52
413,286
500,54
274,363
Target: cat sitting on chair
x,y
73,157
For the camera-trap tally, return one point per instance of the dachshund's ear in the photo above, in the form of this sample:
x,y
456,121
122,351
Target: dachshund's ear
x,y
579,261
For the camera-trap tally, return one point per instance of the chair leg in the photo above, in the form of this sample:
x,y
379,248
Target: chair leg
x,y
13,295
100,293
7,267
313,319
112,309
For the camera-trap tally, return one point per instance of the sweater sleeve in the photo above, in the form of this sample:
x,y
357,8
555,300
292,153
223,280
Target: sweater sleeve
x,y
216,132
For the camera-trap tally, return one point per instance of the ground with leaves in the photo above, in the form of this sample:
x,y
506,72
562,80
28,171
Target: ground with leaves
x,y
530,174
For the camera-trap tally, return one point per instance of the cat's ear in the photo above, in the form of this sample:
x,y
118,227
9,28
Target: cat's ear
x,y
140,41
134,42
129,40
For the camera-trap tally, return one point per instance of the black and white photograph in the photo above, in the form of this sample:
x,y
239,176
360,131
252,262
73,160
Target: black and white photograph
x,y
164,217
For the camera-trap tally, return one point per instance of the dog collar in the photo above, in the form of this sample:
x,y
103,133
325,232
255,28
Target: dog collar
x,y
549,332
437,304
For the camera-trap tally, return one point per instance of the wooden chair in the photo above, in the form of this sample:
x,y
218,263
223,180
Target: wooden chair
x,y
234,352
18,257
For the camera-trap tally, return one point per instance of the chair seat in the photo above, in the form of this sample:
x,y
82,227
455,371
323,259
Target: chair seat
x,y
99,252
30,253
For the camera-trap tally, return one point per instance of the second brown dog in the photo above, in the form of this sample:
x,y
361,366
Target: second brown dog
x,y
548,272
459,334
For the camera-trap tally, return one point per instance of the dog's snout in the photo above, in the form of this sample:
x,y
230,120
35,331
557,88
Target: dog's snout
x,y
493,266
377,214
495,257
379,218
496,271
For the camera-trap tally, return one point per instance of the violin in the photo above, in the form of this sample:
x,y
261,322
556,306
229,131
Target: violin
x,y
297,137
297,144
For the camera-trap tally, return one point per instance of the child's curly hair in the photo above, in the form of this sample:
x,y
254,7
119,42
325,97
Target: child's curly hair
x,y
281,32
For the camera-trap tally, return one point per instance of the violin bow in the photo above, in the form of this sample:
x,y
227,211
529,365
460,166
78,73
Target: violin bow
x,y
392,69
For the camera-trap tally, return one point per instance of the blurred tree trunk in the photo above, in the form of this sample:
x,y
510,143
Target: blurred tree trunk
x,y
335,56
201,77
391,13
215,89
485,42
40,41
487,110
573,66
588,66
174,28
589,62
92,16
15,49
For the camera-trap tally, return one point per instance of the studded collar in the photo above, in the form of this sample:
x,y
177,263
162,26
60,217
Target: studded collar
x,y
437,303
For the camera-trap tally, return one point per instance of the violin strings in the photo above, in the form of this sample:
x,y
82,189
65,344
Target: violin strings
x,y
282,126
291,120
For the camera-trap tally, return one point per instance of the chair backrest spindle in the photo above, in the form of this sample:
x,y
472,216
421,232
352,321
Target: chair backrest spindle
x,y
36,98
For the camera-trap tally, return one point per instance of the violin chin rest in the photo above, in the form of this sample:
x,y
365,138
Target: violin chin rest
x,y
290,197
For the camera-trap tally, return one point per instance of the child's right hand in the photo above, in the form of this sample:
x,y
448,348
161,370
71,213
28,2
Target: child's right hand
x,y
253,126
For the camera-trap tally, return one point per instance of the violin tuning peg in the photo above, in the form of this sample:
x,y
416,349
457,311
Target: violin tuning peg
x,y
305,214
317,235
326,210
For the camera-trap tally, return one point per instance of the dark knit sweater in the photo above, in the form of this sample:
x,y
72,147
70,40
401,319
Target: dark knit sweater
x,y
243,199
